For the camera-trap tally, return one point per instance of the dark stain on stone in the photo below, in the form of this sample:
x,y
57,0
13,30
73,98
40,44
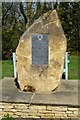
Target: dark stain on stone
x,y
28,88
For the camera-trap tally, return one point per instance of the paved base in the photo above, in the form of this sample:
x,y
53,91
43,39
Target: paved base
x,y
66,94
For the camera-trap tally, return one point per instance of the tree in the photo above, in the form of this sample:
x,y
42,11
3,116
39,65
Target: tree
x,y
18,16
69,16
9,27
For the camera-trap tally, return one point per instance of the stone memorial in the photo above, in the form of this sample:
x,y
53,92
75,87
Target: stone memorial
x,y
40,54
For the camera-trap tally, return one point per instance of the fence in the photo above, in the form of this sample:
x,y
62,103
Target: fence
x,y
65,71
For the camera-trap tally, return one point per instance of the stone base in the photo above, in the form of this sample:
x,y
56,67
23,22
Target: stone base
x,y
60,105
23,110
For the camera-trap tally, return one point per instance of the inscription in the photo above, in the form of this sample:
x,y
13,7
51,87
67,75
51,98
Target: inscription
x,y
40,49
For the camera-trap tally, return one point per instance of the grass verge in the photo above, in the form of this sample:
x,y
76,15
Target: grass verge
x,y
73,67
7,68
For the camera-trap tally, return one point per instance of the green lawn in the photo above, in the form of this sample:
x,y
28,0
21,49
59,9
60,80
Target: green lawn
x,y
7,67
73,67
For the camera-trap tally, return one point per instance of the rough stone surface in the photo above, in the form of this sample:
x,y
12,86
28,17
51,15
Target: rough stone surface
x,y
64,96
38,111
60,105
41,78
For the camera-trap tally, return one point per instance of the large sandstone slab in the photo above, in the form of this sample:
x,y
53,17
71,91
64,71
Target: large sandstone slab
x,y
65,95
42,78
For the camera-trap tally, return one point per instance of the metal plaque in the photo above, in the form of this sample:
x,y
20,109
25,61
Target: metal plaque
x,y
39,49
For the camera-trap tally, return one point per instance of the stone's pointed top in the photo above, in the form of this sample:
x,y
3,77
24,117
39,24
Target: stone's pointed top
x,y
46,18
41,78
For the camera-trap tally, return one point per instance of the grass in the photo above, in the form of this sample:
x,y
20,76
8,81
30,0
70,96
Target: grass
x,y
7,68
73,67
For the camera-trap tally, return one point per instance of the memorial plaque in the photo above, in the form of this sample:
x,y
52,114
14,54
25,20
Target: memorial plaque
x,y
39,49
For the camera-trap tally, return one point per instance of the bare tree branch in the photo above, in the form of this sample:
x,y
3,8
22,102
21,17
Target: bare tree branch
x,y
55,5
4,15
23,13
37,10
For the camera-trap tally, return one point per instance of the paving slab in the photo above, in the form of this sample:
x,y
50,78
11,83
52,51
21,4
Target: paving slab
x,y
66,94
57,98
69,85
10,92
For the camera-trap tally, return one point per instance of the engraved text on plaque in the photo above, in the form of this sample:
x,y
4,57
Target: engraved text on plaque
x,y
39,49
